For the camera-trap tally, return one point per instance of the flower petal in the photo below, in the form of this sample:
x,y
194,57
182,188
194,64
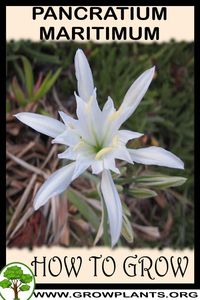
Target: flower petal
x,y
54,185
83,75
156,156
126,135
88,115
69,137
42,124
97,166
69,153
68,120
136,92
113,205
123,154
81,166
109,164
108,107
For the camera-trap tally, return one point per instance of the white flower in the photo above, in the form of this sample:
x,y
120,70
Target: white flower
x,y
95,140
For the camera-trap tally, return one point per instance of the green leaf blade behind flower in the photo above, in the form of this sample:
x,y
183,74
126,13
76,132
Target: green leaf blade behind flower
x,y
141,193
19,94
127,231
38,93
85,210
47,84
28,72
39,56
160,181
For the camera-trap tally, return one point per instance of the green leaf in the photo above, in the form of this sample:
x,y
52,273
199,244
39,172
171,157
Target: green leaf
x,y
127,231
141,193
40,90
119,188
47,84
29,81
86,211
126,210
13,272
123,171
19,94
26,278
24,287
42,57
160,181
19,71
124,181
52,80
43,112
5,283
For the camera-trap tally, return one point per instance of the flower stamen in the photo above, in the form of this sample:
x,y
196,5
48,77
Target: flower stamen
x,y
79,145
103,151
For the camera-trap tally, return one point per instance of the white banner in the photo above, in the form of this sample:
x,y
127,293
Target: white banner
x,y
116,294
100,24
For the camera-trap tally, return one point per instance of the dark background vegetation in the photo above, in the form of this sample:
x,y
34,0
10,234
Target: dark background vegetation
x,y
165,115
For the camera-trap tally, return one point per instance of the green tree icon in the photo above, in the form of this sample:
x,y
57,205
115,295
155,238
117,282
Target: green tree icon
x,y
16,280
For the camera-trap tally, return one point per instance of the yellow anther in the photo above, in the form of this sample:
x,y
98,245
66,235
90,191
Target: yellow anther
x,y
103,151
115,115
79,145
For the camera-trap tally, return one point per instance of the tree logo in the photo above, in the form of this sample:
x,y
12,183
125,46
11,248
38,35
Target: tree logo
x,y
17,282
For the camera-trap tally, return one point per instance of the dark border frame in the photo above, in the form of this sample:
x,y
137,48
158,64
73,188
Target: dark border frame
x,y
196,285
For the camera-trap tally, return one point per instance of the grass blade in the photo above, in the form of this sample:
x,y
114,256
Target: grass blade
x,y
29,81
141,193
47,84
19,94
86,211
